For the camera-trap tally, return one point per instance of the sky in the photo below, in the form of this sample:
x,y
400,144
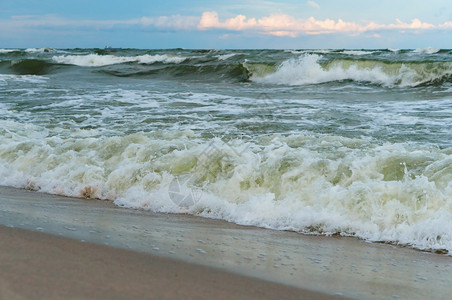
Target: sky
x,y
245,24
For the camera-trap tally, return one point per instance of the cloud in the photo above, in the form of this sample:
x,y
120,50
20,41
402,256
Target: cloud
x,y
313,4
281,25
282,33
446,25
171,22
210,19
285,25
415,24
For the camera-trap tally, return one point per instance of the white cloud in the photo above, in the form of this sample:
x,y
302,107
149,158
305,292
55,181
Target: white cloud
x,y
275,24
446,25
172,22
415,24
285,25
282,33
210,19
313,4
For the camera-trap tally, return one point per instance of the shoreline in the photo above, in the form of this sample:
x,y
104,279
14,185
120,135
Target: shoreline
x,y
329,265
42,266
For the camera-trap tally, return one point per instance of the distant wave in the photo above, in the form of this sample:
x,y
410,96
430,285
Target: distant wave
x,y
31,67
8,50
386,67
428,50
41,50
357,52
309,69
225,56
95,60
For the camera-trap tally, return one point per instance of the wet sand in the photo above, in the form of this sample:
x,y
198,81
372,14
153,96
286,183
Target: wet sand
x,y
207,256
41,266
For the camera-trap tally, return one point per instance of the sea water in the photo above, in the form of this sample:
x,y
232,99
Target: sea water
x,y
348,142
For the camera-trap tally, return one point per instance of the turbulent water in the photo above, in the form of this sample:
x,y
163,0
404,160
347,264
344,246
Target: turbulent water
x,y
349,142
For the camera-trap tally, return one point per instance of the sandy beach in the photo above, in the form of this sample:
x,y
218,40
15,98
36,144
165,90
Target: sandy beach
x,y
58,247
40,266
322,170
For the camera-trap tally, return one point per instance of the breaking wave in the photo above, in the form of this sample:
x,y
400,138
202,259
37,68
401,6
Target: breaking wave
x,y
8,50
387,68
310,69
428,50
95,60
396,193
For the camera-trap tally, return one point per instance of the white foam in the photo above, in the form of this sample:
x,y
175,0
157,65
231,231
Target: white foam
x,y
225,56
150,59
95,60
392,193
357,52
8,50
307,69
428,50
5,78
317,51
40,50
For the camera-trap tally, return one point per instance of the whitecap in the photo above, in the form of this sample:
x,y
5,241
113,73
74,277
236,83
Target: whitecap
x,y
428,50
95,60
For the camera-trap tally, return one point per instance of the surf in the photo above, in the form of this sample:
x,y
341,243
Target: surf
x,y
314,69
396,193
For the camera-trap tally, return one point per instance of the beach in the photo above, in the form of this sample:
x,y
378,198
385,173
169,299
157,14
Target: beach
x,y
323,171
41,266
55,247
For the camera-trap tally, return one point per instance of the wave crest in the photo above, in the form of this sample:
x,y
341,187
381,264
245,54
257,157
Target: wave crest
x,y
95,60
309,69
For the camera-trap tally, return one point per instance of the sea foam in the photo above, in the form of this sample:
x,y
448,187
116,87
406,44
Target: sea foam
x,y
396,193
428,50
95,60
310,69
8,50
5,78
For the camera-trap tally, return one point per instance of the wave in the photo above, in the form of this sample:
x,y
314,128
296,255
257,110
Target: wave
x,y
31,67
5,78
396,193
428,50
402,68
357,52
160,66
235,72
310,69
95,60
330,51
40,50
9,50
32,51
225,56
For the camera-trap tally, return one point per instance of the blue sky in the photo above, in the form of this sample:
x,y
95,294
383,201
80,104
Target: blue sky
x,y
226,24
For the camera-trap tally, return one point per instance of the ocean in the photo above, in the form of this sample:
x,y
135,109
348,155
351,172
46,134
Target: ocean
x,y
330,142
